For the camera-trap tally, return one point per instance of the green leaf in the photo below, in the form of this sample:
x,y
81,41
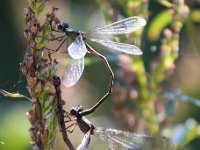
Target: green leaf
x,y
13,95
195,16
158,24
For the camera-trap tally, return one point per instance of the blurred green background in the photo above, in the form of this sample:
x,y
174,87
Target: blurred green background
x,y
81,15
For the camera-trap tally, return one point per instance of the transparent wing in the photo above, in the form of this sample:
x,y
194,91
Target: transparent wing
x,y
121,27
73,72
126,48
77,49
121,140
85,142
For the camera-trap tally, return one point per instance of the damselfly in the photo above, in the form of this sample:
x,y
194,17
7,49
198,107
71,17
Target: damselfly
x,y
78,48
115,139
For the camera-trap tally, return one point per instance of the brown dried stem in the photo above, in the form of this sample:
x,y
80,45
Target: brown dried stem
x,y
39,70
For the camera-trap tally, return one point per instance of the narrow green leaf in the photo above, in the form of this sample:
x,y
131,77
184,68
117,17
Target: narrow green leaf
x,y
158,24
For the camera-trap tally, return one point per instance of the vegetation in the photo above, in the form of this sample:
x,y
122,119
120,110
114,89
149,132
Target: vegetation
x,y
144,97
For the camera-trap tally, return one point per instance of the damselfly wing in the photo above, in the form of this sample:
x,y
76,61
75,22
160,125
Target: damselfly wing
x,y
78,48
123,140
73,72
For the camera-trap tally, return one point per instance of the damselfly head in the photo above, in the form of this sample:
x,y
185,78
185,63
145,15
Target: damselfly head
x,y
76,110
63,26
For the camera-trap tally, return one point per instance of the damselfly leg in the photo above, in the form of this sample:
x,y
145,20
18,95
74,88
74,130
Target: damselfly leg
x,y
70,119
62,38
71,127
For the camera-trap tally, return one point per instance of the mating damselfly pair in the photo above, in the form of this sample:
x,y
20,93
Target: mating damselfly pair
x,y
115,139
78,48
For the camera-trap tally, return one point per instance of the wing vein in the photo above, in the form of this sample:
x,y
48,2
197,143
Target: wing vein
x,y
121,27
126,48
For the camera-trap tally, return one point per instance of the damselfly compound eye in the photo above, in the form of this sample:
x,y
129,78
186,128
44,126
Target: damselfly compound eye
x,y
60,27
65,25
73,111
